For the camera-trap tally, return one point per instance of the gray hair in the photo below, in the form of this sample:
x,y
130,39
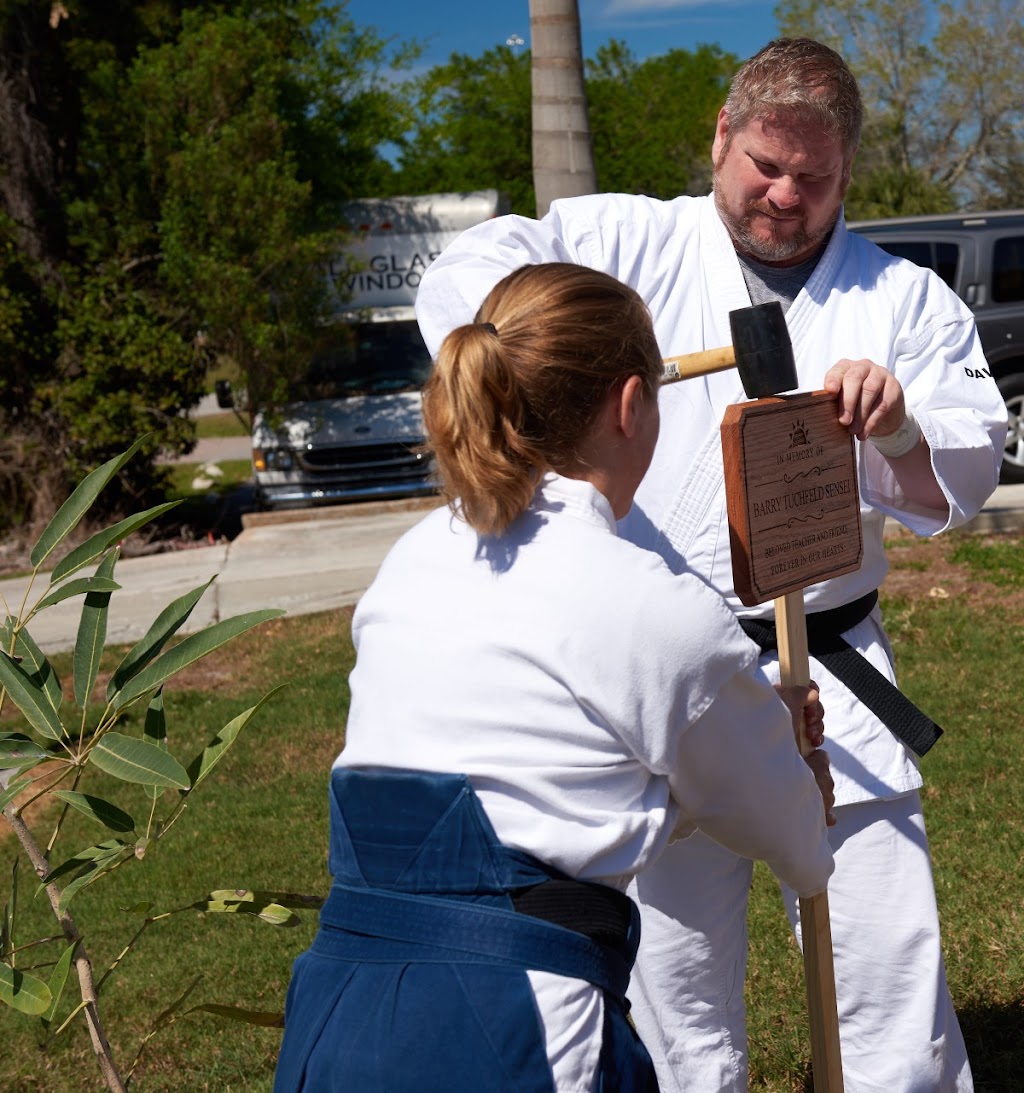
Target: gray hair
x,y
802,81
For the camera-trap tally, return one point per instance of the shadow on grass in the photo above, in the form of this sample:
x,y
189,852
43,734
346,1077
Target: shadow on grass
x,y
207,517
995,1044
994,1035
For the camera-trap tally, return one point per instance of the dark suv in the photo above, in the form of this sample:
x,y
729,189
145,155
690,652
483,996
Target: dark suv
x,y
981,257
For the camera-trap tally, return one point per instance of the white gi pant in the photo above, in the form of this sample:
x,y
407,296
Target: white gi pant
x,y
687,985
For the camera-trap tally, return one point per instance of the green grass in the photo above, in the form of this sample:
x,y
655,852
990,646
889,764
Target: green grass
x,y
235,473
962,662
995,560
262,822
226,423
213,510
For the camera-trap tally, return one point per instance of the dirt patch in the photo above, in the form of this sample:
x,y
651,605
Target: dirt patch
x,y
921,569
35,812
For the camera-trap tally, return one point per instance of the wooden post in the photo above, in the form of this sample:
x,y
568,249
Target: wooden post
x,y
794,520
815,926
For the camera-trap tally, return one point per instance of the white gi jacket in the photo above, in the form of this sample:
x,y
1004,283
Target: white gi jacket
x,y
596,701
858,303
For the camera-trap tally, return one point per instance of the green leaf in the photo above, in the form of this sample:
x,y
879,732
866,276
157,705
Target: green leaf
x,y
31,699
212,754
23,992
191,649
93,547
58,980
10,916
142,908
11,911
285,899
42,673
164,627
89,874
16,750
12,790
155,732
76,588
268,911
95,807
234,1013
167,1015
155,728
138,761
84,859
92,634
77,505
87,866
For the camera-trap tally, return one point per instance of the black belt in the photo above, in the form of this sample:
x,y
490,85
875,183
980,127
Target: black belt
x,y
603,914
825,643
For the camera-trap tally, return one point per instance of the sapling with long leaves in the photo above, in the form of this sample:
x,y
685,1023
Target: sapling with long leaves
x,y
61,739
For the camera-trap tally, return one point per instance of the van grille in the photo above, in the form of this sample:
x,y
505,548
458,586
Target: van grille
x,y
384,460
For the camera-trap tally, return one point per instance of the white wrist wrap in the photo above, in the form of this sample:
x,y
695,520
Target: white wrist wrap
x,y
900,442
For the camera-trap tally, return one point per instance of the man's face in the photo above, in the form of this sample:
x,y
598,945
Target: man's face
x,y
778,188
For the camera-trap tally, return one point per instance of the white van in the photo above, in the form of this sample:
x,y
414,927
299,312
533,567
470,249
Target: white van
x,y
353,429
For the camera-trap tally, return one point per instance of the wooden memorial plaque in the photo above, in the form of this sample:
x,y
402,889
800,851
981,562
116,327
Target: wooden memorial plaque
x,y
794,519
791,492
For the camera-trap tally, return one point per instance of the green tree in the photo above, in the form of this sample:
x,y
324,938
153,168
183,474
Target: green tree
x,y
256,126
472,130
943,91
652,123
172,176
63,738
654,120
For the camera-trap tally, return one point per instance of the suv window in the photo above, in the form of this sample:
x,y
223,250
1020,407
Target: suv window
x,y
941,257
1008,269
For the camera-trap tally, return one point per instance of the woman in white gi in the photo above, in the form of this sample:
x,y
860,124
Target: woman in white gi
x,y
903,356
537,707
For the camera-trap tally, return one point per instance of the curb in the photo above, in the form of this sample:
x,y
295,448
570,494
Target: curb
x,y
318,513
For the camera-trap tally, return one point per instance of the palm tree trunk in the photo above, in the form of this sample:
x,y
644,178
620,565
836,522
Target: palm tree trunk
x,y
563,158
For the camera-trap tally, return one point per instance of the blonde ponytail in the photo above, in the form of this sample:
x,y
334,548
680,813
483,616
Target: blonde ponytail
x,y
475,417
513,394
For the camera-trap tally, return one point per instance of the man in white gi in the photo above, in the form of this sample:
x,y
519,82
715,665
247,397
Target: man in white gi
x,y
902,354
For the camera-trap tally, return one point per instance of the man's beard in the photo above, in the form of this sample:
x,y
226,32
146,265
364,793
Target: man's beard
x,y
772,249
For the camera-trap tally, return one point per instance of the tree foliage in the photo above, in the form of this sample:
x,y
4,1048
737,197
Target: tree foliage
x,y
472,129
652,122
172,175
943,91
62,739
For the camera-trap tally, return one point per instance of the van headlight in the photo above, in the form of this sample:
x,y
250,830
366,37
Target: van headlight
x,y
272,459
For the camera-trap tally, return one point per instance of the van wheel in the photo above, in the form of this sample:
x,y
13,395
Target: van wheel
x,y
1012,389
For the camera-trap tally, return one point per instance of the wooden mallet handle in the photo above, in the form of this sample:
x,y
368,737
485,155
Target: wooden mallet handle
x,y
815,927
690,365
761,352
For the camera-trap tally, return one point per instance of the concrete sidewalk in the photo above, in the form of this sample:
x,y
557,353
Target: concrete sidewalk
x,y
325,561
302,561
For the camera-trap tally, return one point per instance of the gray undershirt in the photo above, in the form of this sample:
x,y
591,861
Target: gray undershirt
x,y
768,283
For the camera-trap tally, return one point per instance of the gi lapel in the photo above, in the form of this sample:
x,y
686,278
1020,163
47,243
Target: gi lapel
x,y
722,289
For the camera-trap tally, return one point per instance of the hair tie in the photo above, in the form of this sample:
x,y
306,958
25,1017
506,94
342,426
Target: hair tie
x,y
490,328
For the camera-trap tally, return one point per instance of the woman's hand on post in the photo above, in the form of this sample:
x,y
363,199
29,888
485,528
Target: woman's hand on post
x,y
818,762
807,712
808,716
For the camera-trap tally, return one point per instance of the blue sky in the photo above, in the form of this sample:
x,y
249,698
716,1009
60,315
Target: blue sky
x,y
649,27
